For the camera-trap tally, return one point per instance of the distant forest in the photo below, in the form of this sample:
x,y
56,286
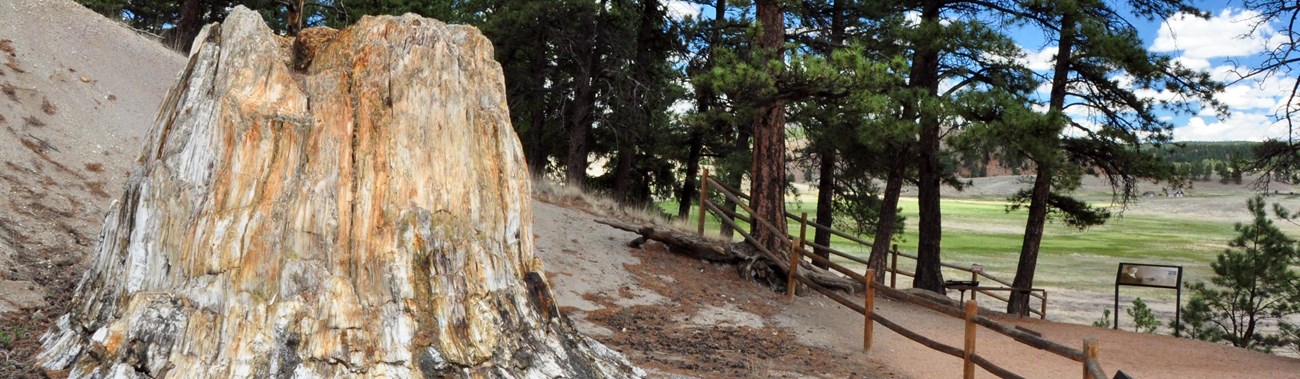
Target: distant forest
x,y
1195,161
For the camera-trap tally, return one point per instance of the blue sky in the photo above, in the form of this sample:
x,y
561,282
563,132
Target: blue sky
x,y
1220,45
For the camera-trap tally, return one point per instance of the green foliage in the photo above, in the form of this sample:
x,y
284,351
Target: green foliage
x,y
1104,321
1144,320
1253,284
9,335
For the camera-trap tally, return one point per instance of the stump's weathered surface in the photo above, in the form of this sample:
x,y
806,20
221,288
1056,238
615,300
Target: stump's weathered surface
x,y
353,206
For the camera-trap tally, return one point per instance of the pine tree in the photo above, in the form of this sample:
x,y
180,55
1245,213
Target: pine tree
x,y
851,133
957,50
1253,284
1093,43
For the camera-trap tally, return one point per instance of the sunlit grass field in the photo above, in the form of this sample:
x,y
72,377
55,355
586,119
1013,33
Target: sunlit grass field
x,y
985,232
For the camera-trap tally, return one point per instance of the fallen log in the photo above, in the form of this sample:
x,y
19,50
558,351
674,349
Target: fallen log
x,y
681,243
756,265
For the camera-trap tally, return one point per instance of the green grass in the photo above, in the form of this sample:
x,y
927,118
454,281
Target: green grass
x,y
982,231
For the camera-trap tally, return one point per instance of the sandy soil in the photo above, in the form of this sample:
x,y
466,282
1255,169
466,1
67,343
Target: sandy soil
x,y
673,315
77,94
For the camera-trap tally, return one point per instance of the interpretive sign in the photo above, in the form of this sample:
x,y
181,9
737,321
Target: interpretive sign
x,y
1146,275
1134,274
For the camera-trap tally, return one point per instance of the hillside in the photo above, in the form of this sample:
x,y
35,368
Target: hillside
x,y
78,94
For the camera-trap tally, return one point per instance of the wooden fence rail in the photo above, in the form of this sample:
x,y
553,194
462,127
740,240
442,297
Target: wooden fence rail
x,y
740,198
1087,356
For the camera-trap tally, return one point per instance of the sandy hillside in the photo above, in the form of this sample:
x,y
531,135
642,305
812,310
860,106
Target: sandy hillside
x,y
77,94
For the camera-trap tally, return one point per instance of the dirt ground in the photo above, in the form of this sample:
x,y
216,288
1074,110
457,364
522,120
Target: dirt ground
x,y
675,315
661,309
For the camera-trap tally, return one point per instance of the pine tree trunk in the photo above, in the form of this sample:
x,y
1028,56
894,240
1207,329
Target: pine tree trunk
x,y
623,172
1038,202
1019,301
580,121
925,76
535,100
294,18
768,184
888,216
690,186
584,105
366,217
825,207
703,102
181,36
739,146
826,165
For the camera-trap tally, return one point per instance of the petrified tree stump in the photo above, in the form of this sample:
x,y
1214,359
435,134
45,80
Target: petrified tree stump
x,y
355,205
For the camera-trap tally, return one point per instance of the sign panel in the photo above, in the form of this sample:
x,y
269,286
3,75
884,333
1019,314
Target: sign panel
x,y
1159,276
1135,274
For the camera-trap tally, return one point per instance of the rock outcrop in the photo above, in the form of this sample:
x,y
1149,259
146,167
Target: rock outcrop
x,y
351,204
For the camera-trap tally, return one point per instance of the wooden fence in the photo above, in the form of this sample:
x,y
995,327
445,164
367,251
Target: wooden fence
x,y
1091,368
891,259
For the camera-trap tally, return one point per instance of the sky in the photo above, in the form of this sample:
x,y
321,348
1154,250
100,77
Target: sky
x,y
1222,45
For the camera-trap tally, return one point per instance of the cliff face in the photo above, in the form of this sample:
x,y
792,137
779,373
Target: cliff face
x,y
351,204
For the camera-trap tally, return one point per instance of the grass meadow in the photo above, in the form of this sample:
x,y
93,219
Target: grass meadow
x,y
985,232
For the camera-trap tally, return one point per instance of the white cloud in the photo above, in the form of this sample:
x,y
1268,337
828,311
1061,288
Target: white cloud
x,y
1197,64
1241,126
679,9
912,18
1227,34
1041,60
1252,96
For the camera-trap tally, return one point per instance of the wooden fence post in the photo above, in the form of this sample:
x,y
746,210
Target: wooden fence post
x,y
974,277
793,272
968,366
1042,311
803,229
704,196
893,268
1089,354
868,308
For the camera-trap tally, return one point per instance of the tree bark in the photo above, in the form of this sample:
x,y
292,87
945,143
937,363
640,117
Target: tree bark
x,y
1042,190
703,102
1041,193
690,186
825,204
295,14
367,217
739,146
535,99
768,173
584,105
826,165
925,76
888,216
181,37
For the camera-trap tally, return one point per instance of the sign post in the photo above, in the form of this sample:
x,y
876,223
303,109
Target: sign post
x,y
1146,275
